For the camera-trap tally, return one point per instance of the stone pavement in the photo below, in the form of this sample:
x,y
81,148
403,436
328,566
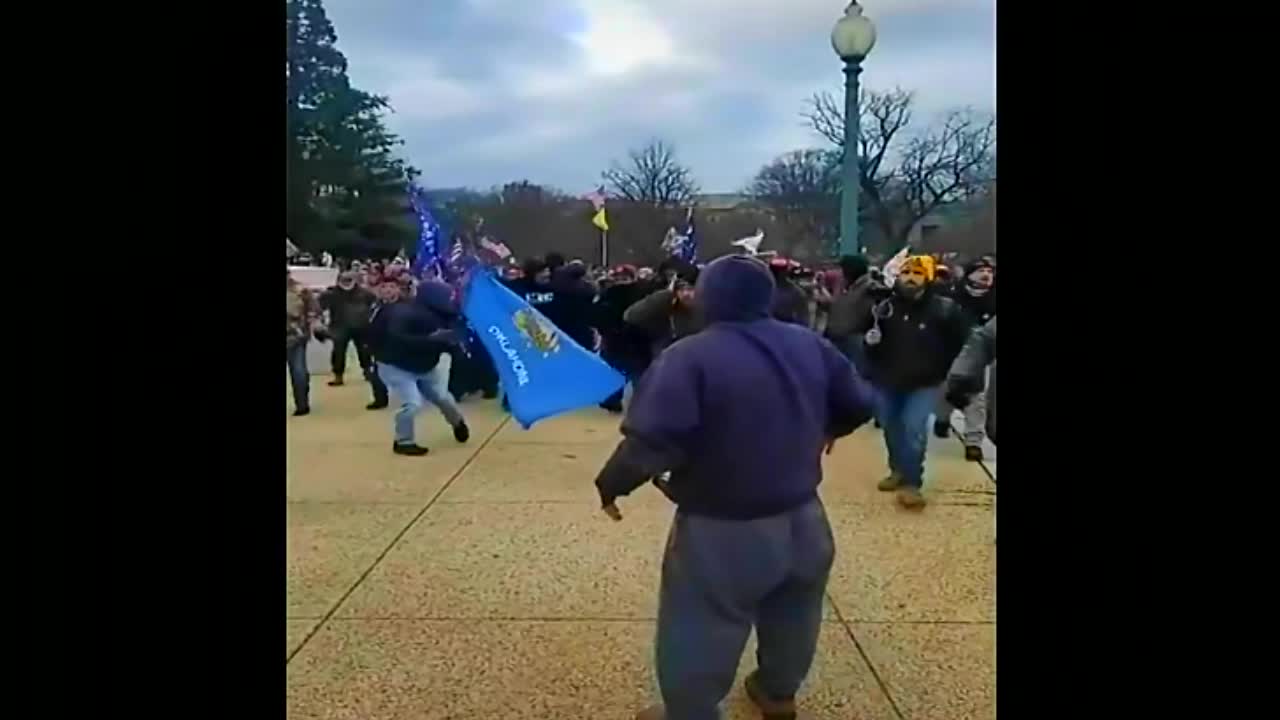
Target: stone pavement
x,y
482,582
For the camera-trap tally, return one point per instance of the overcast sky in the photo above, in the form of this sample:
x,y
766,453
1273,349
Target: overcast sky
x,y
489,91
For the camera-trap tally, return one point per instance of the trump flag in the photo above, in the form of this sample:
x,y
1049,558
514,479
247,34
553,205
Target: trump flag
x,y
543,371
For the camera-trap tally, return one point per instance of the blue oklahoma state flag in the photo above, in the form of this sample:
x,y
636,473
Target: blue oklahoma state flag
x,y
543,371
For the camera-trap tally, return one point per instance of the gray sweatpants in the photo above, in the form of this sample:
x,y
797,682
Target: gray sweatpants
x,y
719,579
975,418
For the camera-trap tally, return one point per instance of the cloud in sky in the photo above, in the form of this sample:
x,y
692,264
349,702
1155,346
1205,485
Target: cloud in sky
x,y
488,91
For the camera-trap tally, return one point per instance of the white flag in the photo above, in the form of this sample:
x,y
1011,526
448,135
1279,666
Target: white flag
x,y
751,244
894,266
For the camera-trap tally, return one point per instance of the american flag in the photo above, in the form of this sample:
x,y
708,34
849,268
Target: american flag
x,y
686,246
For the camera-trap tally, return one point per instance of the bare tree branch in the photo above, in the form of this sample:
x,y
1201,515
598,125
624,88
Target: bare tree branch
x,y
802,189
907,173
652,176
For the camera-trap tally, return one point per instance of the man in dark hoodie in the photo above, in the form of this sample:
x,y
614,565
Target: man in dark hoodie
x,y
349,307
911,338
975,293
739,414
412,341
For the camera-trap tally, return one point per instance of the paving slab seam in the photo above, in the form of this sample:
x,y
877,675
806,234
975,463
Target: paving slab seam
x,y
397,538
848,629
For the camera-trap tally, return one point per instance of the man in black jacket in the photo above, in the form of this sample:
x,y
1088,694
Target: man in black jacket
x,y
412,341
389,292
976,295
349,307
625,347
911,336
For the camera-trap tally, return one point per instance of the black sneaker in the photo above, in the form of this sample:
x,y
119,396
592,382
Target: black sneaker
x,y
336,381
376,405
942,429
973,453
411,449
461,432
302,411
614,407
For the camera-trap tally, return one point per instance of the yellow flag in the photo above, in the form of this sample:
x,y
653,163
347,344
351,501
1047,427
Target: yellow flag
x,y
600,220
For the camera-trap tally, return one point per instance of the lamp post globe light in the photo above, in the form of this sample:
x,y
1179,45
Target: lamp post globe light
x,y
852,38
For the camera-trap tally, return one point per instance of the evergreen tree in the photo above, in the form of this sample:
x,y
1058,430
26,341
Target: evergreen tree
x,y
346,187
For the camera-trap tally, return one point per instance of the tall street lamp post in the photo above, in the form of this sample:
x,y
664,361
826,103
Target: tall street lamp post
x,y
852,38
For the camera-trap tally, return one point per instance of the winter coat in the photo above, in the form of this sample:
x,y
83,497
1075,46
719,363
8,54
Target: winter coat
x,y
979,352
662,319
348,309
919,339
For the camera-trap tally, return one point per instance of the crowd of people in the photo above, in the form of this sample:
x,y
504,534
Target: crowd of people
x,y
902,333
743,373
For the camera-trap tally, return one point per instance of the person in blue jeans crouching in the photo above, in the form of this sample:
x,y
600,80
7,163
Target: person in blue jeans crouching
x,y
411,340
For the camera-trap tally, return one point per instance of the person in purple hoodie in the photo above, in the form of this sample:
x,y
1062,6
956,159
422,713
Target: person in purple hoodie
x,y
739,414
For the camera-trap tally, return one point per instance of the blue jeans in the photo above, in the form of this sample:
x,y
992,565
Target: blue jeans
x,y
720,578
299,377
416,389
905,419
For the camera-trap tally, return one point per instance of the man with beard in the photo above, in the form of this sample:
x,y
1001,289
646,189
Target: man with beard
x,y
624,346
975,294
412,341
349,307
911,335
740,414
667,315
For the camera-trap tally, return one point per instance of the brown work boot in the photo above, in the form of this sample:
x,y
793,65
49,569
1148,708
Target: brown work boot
x,y
891,483
910,498
656,712
770,708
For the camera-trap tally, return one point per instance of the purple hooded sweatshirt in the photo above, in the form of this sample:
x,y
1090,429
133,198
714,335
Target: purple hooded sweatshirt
x,y
740,412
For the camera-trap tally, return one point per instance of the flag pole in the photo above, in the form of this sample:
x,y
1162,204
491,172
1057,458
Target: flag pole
x,y
604,248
